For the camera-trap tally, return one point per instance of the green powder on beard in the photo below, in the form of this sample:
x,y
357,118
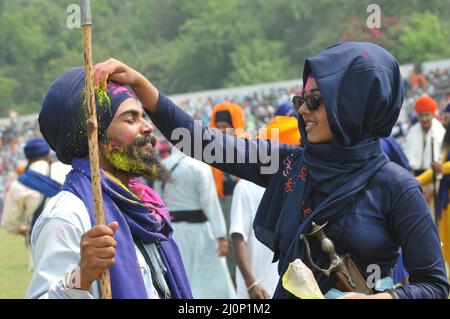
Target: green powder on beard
x,y
124,163
154,171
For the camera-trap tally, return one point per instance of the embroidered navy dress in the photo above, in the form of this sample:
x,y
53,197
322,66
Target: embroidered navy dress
x,y
372,206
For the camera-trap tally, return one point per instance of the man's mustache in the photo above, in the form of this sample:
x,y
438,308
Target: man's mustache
x,y
144,140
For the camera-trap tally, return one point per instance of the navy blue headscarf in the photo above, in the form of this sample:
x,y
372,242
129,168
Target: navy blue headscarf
x,y
62,119
394,152
363,92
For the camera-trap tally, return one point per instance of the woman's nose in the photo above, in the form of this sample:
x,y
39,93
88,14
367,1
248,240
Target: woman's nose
x,y
303,109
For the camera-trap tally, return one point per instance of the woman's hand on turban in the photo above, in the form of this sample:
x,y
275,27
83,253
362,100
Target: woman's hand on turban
x,y
121,73
116,71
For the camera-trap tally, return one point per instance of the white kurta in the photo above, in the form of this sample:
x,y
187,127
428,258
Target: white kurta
x,y
193,189
246,199
21,202
418,145
55,245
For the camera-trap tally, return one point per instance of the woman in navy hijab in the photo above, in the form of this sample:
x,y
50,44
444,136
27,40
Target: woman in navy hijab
x,y
338,176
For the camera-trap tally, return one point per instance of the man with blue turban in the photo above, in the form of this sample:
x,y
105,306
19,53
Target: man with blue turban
x,y
136,245
28,195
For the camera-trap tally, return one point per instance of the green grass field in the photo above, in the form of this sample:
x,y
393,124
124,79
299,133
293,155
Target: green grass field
x,y
14,274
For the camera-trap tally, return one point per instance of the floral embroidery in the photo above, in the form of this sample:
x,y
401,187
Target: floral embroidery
x,y
288,165
303,173
306,210
289,185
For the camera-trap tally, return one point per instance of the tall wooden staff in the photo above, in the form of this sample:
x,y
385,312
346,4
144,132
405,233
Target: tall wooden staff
x,y
92,131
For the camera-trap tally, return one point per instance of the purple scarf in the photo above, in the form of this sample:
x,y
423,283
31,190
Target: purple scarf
x,y
147,219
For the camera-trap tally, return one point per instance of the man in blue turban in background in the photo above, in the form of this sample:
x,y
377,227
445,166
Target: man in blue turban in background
x,y
28,195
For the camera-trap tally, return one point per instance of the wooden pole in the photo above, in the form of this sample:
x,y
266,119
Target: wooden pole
x,y
92,131
434,184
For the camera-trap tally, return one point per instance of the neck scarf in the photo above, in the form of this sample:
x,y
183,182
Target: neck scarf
x,y
394,152
40,183
147,219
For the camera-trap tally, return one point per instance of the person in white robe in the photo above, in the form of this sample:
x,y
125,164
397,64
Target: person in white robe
x,y
256,275
424,141
199,225
418,146
23,204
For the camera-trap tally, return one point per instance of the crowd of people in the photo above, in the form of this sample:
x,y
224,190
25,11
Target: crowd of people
x,y
222,217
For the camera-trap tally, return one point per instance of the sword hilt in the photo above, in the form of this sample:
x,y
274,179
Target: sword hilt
x,y
337,262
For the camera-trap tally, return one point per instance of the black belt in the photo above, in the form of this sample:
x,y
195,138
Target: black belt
x,y
190,216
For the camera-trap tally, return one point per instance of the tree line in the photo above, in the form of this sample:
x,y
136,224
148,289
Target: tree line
x,y
190,45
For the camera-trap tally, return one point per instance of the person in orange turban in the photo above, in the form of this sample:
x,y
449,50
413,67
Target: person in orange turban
x,y
426,104
424,136
442,206
284,126
229,118
228,115
419,142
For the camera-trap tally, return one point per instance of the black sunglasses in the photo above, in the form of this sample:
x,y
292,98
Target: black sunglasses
x,y
312,102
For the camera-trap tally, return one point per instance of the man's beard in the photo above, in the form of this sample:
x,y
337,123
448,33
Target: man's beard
x,y
134,160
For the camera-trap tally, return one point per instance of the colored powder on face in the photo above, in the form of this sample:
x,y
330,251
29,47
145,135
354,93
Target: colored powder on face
x,y
121,160
120,90
114,145
115,89
154,170
102,96
308,84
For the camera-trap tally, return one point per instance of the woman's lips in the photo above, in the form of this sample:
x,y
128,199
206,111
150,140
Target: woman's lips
x,y
310,125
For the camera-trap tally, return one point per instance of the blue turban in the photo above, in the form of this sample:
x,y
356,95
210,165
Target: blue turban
x,y
286,109
35,148
63,116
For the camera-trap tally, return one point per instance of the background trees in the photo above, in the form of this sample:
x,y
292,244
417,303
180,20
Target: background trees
x,y
194,45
